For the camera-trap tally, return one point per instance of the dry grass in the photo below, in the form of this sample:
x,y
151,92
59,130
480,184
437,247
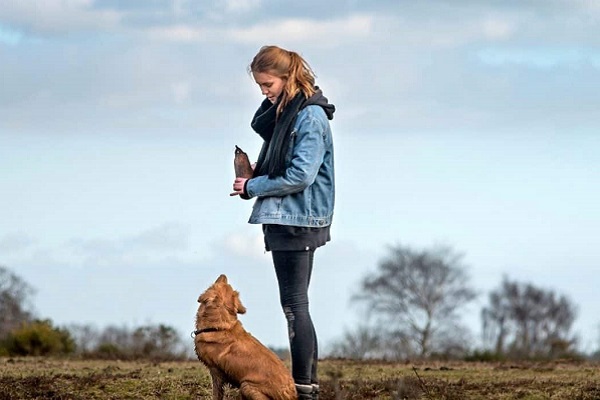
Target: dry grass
x,y
37,378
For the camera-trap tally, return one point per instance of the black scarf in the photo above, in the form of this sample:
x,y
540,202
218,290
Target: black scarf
x,y
276,132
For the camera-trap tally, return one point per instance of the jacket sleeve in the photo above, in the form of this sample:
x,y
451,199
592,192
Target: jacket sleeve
x,y
307,156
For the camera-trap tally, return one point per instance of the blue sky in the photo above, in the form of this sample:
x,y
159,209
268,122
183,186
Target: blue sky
x,y
466,123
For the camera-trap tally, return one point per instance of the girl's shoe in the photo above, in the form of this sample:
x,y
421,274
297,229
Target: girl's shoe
x,y
305,392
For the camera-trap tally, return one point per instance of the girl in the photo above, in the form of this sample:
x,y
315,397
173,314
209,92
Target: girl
x,y
293,184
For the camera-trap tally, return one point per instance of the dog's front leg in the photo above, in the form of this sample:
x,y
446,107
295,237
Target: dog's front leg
x,y
218,386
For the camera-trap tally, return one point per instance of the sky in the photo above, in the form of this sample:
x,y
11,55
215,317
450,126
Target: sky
x,y
471,124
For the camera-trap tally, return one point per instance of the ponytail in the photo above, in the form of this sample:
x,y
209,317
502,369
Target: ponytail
x,y
301,78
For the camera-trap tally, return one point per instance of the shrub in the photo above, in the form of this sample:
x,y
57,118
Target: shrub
x,y
38,338
484,356
109,351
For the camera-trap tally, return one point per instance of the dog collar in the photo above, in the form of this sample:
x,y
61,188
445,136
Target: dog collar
x,y
199,331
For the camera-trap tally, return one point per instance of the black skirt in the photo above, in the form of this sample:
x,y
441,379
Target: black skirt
x,y
294,238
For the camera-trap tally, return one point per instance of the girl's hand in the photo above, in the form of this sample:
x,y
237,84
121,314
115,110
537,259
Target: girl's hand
x,y
238,186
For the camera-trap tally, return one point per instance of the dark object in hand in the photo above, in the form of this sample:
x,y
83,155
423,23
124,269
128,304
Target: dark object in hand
x,y
241,164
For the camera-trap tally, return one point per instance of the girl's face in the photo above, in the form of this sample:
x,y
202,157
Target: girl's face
x,y
270,85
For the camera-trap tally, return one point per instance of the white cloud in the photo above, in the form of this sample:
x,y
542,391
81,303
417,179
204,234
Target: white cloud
x,y
14,243
245,245
57,16
285,30
178,33
306,30
585,5
181,91
239,6
497,28
538,57
168,236
448,32
167,241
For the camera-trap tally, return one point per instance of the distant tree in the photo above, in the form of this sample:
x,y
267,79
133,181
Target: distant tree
x,y
159,342
361,344
595,355
38,338
85,336
416,295
118,339
156,341
281,352
15,296
522,320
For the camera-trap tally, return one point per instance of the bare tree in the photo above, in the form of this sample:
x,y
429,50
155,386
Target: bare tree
x,y
15,306
417,294
595,355
523,320
496,320
160,342
363,343
86,337
157,341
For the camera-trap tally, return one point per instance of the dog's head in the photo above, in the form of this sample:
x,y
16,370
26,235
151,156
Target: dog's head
x,y
219,304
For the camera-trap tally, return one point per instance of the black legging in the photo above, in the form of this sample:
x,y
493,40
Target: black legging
x,y
293,269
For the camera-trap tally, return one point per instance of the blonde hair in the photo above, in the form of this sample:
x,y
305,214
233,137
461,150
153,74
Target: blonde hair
x,y
287,65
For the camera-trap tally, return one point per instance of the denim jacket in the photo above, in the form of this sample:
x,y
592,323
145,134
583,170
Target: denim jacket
x,y
305,195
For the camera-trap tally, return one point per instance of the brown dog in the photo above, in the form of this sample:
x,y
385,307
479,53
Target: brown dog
x,y
234,356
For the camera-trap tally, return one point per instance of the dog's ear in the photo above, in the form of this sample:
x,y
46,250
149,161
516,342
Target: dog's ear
x,y
238,303
221,279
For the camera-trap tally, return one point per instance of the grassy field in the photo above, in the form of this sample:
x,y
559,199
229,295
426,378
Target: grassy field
x,y
40,378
